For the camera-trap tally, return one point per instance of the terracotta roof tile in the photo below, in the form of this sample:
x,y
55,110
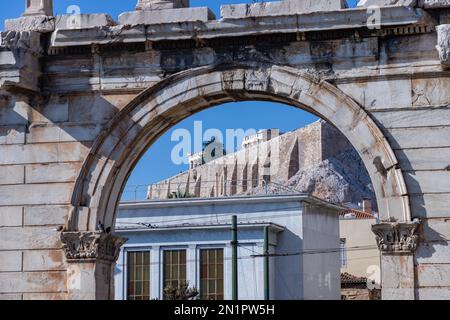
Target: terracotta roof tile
x,y
356,213
350,281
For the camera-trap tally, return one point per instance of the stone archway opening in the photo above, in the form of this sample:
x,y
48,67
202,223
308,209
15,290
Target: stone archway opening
x,y
306,156
186,152
91,253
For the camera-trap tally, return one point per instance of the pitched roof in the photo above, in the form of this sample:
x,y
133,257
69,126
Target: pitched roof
x,y
356,213
354,282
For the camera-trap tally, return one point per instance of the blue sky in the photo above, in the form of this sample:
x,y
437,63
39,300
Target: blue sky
x,y
14,8
156,164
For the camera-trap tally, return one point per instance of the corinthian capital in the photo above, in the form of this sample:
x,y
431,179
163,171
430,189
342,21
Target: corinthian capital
x,y
91,246
397,237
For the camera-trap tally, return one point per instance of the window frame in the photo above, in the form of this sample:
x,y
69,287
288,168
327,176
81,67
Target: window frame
x,y
207,246
162,275
126,251
215,248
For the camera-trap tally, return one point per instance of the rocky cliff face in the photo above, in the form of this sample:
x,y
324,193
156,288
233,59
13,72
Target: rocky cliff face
x,y
338,179
316,159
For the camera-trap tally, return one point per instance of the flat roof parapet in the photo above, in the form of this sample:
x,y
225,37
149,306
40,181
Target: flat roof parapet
x,y
385,3
247,199
38,23
330,21
161,4
279,8
38,15
426,4
166,16
42,23
84,21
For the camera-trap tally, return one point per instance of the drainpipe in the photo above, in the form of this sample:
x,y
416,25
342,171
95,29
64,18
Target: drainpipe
x,y
266,264
234,259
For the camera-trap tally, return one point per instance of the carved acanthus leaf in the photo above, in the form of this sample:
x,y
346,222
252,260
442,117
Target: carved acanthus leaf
x,y
395,237
91,246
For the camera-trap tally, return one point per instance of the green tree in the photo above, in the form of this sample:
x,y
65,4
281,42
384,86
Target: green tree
x,y
183,292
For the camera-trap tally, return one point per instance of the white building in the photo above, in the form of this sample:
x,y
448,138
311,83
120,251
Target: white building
x,y
261,136
364,260
195,160
174,241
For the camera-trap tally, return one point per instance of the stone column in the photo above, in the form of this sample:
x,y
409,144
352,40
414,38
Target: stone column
x,y
161,4
38,16
38,8
91,258
397,243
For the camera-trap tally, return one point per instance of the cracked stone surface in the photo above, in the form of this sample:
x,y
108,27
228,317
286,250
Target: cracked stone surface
x,y
39,23
434,4
384,3
443,45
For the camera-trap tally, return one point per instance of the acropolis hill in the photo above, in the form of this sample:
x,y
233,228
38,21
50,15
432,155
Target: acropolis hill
x,y
316,159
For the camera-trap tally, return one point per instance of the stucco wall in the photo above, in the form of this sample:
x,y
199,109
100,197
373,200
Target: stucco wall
x,y
321,270
358,233
300,276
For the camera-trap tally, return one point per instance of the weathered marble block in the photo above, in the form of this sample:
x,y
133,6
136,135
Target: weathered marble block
x,y
279,8
19,60
83,21
161,4
39,23
443,45
385,3
201,14
434,4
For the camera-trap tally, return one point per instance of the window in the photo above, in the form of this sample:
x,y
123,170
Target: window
x,y
343,251
174,268
211,274
138,277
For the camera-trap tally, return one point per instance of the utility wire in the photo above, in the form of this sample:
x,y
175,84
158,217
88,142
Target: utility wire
x,y
214,216
251,257
313,251
256,255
